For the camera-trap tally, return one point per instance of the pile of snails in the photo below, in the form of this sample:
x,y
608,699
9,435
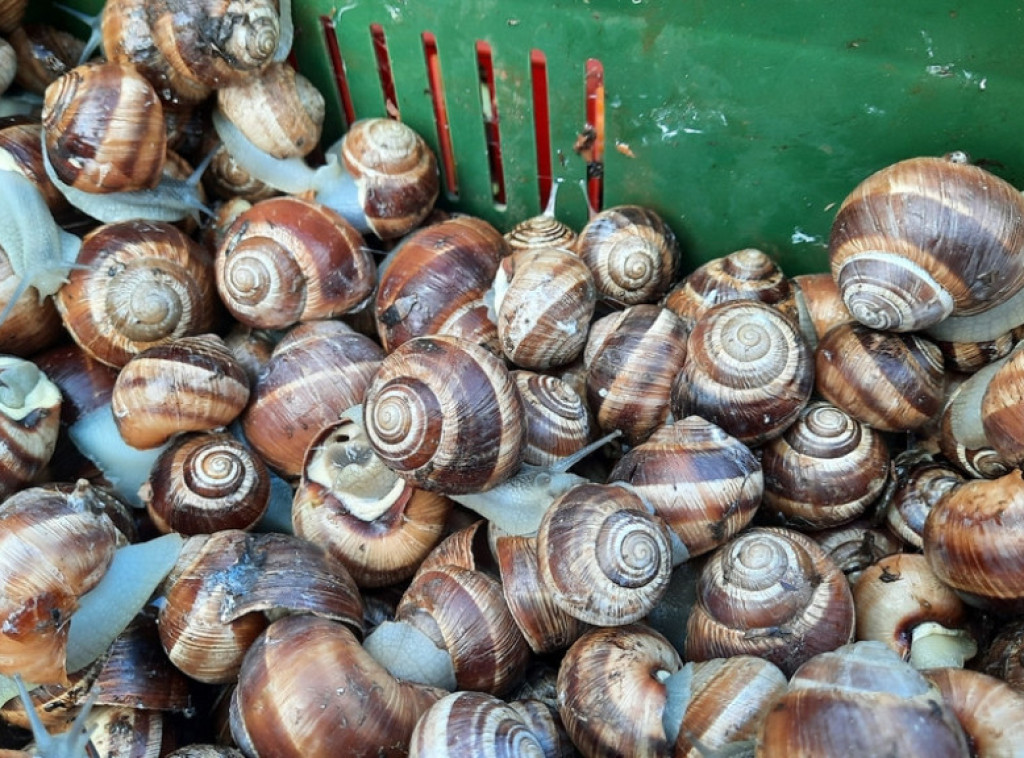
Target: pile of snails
x,y
296,463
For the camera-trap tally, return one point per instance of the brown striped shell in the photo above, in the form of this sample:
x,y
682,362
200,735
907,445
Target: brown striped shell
x,y
773,593
544,300
55,546
434,283
890,381
748,369
926,238
202,483
465,724
603,555
884,705
103,129
916,494
21,149
633,357
541,231
973,544
373,521
704,483
849,461
632,253
317,370
44,54
128,38
350,704
971,356
279,110
987,708
188,384
395,174
856,545
222,585
227,179
147,283
747,274
286,260
557,418
819,305
216,42
611,691
11,14
445,414
1002,410
30,412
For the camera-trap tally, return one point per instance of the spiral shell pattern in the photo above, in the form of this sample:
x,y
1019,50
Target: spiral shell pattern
x,y
446,415
541,231
850,464
603,556
203,483
103,129
703,482
926,238
465,724
773,593
916,494
748,369
890,381
632,253
1002,410
148,283
747,274
286,260
395,172
557,419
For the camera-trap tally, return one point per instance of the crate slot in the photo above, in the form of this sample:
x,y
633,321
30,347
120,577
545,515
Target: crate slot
x,y
592,139
492,127
387,79
541,123
330,35
435,82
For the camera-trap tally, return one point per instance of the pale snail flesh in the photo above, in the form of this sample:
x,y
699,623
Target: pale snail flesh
x,y
30,407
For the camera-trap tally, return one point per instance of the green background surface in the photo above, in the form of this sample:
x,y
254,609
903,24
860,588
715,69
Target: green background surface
x,y
748,122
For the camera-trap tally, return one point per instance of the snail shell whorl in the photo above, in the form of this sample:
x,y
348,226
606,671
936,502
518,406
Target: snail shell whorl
x,y
148,283
103,129
918,492
541,231
605,558
395,172
446,415
850,461
747,369
465,724
770,592
632,252
926,238
557,419
1002,408
203,483
286,260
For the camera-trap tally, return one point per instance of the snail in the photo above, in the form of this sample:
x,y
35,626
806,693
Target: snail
x,y
557,418
30,407
928,238
381,176
44,53
819,305
469,724
542,230
856,545
916,494
987,709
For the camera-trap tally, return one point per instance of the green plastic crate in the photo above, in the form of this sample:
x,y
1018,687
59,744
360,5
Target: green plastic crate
x,y
742,123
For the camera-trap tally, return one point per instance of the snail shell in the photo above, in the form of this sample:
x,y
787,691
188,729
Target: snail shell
x,y
747,369
633,357
279,110
704,483
770,592
437,275
855,546
890,381
146,283
1004,657
924,239
21,149
923,486
632,253
747,274
44,53
988,709
188,384
472,724
542,231
544,301
972,542
202,483
557,420
860,699
819,305
825,469
216,42
603,556
1002,408
103,129
30,406
445,414
348,502
11,14
228,180
286,260
350,704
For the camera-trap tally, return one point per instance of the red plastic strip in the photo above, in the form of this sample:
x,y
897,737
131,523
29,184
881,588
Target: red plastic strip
x,y
387,78
338,68
541,123
444,135
595,122
492,130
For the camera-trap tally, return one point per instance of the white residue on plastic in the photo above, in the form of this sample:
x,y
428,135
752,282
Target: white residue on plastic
x,y
800,237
